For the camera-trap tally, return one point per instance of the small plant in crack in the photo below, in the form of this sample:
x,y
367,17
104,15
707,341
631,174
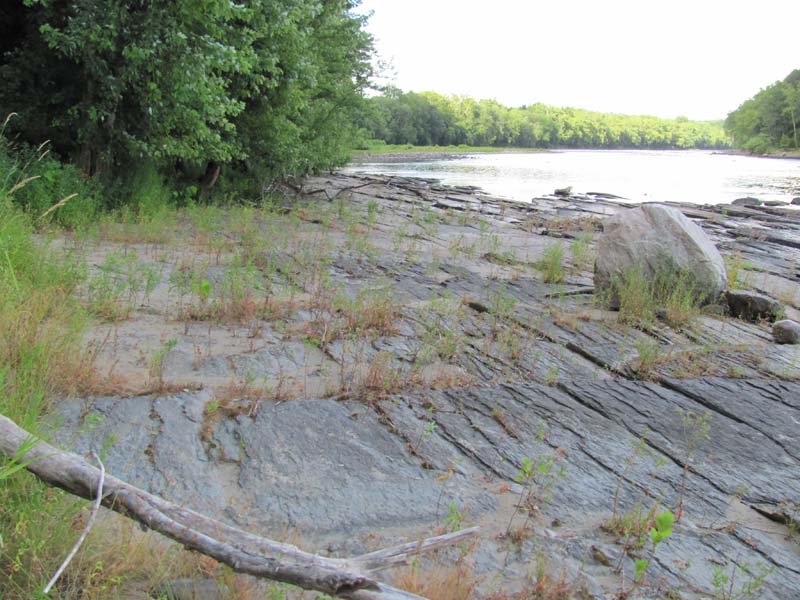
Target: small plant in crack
x,y
696,429
725,584
551,264
157,383
455,517
538,477
501,308
661,530
427,431
640,449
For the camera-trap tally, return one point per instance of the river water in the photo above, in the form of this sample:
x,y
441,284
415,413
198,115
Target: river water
x,y
695,176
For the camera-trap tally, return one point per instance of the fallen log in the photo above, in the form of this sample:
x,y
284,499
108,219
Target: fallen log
x,y
242,551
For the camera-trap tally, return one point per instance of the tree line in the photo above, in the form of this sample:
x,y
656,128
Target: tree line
x,y
428,118
769,120
264,88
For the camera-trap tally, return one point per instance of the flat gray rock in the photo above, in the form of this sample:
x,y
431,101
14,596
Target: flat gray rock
x,y
339,471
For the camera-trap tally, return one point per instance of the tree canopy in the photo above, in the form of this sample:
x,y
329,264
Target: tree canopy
x,y
431,119
770,119
267,86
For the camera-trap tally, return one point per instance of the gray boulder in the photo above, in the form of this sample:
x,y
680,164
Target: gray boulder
x,y
653,237
795,201
752,306
786,332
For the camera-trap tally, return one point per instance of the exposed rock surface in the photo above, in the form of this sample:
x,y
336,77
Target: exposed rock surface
x,y
752,306
786,332
651,238
344,442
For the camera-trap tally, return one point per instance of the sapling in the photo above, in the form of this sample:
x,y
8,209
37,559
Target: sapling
x,y
662,530
538,476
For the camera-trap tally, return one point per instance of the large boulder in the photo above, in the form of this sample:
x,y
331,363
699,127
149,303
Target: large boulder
x,y
653,237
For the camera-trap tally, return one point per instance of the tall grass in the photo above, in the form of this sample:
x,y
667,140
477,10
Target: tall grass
x,y
671,289
42,324
40,332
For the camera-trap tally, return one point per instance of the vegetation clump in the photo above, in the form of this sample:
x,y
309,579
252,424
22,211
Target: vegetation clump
x,y
672,294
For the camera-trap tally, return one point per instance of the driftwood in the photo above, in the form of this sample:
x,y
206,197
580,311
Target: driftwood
x,y
242,551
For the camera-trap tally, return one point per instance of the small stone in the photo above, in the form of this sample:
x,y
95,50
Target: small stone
x,y
714,310
751,306
747,201
786,332
563,192
795,201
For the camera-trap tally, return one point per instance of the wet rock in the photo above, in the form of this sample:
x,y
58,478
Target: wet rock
x,y
747,201
795,201
774,203
752,306
786,332
653,237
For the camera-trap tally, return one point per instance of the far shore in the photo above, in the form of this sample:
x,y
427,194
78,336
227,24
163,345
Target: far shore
x,y
404,152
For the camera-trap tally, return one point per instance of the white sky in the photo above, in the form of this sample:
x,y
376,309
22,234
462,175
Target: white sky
x,y
699,58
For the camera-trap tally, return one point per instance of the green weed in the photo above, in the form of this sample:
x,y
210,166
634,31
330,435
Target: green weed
x,y
725,585
551,264
580,249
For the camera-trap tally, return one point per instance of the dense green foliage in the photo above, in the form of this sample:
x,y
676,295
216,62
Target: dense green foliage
x,y
770,119
268,87
428,118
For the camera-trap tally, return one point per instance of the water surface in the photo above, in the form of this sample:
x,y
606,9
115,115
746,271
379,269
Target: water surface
x,y
694,176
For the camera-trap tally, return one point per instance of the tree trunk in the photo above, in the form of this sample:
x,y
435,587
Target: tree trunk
x,y
242,551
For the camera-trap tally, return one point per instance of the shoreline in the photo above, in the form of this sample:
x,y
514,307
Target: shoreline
x,y
790,154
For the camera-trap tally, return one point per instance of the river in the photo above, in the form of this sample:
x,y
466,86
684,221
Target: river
x,y
695,176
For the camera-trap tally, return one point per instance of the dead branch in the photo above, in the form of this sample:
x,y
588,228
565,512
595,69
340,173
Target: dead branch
x,y
95,509
242,551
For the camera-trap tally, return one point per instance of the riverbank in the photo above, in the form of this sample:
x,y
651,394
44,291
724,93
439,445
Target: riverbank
x,y
379,358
